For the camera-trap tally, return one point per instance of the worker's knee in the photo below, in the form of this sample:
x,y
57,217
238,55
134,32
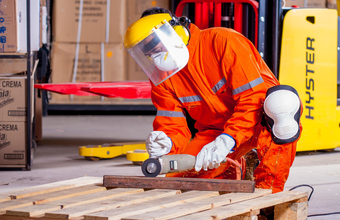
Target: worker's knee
x,y
282,109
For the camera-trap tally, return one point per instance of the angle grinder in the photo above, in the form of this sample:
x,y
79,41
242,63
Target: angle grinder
x,y
176,163
153,167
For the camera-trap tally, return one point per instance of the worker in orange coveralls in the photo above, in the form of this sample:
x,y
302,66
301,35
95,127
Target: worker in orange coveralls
x,y
218,76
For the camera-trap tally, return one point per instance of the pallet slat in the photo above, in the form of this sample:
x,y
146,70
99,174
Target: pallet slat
x,y
37,210
50,187
110,204
151,205
198,206
179,183
246,206
49,197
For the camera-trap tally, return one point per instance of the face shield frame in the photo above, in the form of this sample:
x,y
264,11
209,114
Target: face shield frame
x,y
161,54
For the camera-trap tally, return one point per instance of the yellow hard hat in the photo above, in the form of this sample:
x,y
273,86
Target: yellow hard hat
x,y
156,43
145,26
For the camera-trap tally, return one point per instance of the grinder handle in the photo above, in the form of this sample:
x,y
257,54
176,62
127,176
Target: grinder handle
x,y
177,163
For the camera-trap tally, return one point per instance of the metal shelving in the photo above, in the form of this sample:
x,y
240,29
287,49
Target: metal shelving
x,y
26,56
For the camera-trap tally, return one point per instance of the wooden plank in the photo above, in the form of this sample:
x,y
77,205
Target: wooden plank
x,y
111,204
5,198
179,183
152,205
7,217
243,217
198,206
238,197
246,206
288,211
49,197
50,187
41,209
247,216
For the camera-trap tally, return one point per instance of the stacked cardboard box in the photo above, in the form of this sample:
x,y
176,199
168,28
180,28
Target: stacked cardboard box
x,y
96,62
316,3
10,31
332,4
87,45
13,119
88,42
306,3
135,9
13,31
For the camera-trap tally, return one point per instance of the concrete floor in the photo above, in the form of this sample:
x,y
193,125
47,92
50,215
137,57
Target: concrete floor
x,y
57,159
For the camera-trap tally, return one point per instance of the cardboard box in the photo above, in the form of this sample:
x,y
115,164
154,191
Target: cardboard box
x,y
134,72
316,3
96,24
90,57
13,97
332,4
306,3
8,27
135,9
300,3
13,65
13,143
13,32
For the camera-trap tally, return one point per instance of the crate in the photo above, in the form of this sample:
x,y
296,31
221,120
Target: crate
x,y
86,198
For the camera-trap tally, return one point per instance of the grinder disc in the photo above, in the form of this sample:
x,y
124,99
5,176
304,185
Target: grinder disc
x,y
151,167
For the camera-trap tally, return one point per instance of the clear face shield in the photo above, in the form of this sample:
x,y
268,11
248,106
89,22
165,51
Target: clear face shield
x,y
161,54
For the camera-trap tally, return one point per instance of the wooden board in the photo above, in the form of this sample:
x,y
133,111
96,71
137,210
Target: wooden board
x,y
51,187
179,183
95,202
37,210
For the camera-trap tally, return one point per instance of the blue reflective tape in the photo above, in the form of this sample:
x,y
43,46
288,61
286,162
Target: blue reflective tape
x,y
232,149
194,98
247,86
219,85
170,113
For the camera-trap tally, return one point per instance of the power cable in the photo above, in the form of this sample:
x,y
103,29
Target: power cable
x,y
302,186
236,164
331,213
314,215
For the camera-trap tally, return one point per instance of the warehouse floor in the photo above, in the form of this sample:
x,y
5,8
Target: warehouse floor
x,y
57,159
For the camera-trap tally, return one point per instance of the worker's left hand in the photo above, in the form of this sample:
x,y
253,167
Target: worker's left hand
x,y
212,154
158,144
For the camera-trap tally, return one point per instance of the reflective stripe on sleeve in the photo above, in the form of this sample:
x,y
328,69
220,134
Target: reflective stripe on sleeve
x,y
170,113
194,98
219,85
247,86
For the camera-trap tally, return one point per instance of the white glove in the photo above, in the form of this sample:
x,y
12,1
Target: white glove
x,y
212,154
158,144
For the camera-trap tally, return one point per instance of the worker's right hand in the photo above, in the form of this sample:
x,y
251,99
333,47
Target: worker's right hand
x,y
212,154
158,144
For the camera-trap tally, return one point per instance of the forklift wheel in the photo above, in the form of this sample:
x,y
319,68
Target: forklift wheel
x,y
92,158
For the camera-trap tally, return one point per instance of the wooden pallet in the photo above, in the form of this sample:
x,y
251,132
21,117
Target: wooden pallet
x,y
86,199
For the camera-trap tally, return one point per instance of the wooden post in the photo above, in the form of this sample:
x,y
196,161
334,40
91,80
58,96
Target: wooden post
x,y
292,210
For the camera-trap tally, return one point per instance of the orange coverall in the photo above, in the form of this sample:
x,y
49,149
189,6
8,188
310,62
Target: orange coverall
x,y
223,88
